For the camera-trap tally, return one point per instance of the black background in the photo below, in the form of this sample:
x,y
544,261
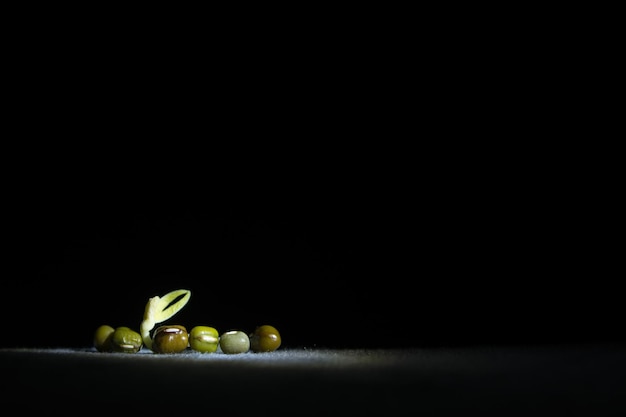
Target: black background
x,y
335,249
339,189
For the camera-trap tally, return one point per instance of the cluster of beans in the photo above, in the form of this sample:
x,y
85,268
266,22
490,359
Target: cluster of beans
x,y
176,339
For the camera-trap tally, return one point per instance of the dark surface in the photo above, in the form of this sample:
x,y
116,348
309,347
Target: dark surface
x,y
573,380
465,261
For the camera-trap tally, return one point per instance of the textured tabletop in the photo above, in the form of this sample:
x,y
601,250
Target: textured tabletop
x,y
515,380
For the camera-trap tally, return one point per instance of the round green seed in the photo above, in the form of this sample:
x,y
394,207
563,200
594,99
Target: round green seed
x,y
170,339
265,339
234,341
204,339
126,340
102,338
